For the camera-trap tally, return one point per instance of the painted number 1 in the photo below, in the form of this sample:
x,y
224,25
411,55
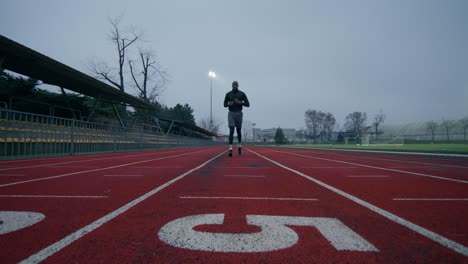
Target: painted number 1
x,y
274,235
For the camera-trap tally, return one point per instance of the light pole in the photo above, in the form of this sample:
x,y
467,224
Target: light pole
x,y
211,75
253,131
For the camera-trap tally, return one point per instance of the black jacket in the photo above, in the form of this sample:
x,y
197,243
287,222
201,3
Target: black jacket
x,y
239,95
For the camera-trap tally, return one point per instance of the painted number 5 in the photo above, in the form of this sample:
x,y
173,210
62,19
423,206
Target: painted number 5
x,y
274,235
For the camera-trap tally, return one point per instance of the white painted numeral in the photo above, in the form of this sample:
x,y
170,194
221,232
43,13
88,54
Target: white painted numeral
x,y
274,235
12,221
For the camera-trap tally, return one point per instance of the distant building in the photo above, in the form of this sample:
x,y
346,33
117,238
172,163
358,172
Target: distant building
x,y
268,135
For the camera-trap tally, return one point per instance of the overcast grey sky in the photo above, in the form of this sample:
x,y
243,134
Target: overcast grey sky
x,y
406,57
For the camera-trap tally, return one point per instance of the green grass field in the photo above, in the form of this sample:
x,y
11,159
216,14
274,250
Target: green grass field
x,y
427,148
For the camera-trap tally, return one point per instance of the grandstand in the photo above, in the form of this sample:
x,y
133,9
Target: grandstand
x,y
25,134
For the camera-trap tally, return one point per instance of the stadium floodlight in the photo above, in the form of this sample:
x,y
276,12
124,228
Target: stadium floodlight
x,y
212,75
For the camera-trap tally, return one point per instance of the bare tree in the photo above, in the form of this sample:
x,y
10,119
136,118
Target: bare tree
x,y
246,129
312,121
355,122
122,41
448,125
206,124
151,78
329,122
432,126
378,120
321,124
464,124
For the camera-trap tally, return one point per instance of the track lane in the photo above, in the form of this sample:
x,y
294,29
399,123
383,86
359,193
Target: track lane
x,y
424,160
443,217
48,171
66,215
133,236
455,174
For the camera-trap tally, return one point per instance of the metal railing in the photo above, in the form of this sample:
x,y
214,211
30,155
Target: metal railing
x,y
29,135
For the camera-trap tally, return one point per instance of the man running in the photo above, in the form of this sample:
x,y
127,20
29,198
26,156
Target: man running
x,y
235,100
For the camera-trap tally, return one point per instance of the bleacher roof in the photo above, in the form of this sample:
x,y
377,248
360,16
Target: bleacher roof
x,y
28,62
25,61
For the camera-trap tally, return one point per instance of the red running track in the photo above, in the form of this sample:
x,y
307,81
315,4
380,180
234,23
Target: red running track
x,y
269,205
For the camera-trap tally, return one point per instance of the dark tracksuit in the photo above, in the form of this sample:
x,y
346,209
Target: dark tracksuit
x,y
235,112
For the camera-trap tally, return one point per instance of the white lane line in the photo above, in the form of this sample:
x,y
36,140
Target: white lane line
x,y
78,161
7,174
247,198
100,169
416,228
368,176
246,176
430,199
122,175
395,160
379,168
49,196
59,245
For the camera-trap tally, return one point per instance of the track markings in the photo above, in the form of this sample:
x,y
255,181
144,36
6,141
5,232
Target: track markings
x,y
50,196
59,245
368,176
219,167
93,170
392,217
122,175
246,176
71,166
430,199
13,221
378,168
415,167
158,167
76,161
330,167
275,234
247,198
396,160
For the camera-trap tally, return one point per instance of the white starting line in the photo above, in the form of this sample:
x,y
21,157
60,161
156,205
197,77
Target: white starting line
x,y
248,198
158,167
330,167
246,176
50,196
368,176
218,167
430,199
122,175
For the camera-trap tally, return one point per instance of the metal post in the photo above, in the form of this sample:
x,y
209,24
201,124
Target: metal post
x,y
94,107
68,102
72,138
135,119
118,116
253,131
